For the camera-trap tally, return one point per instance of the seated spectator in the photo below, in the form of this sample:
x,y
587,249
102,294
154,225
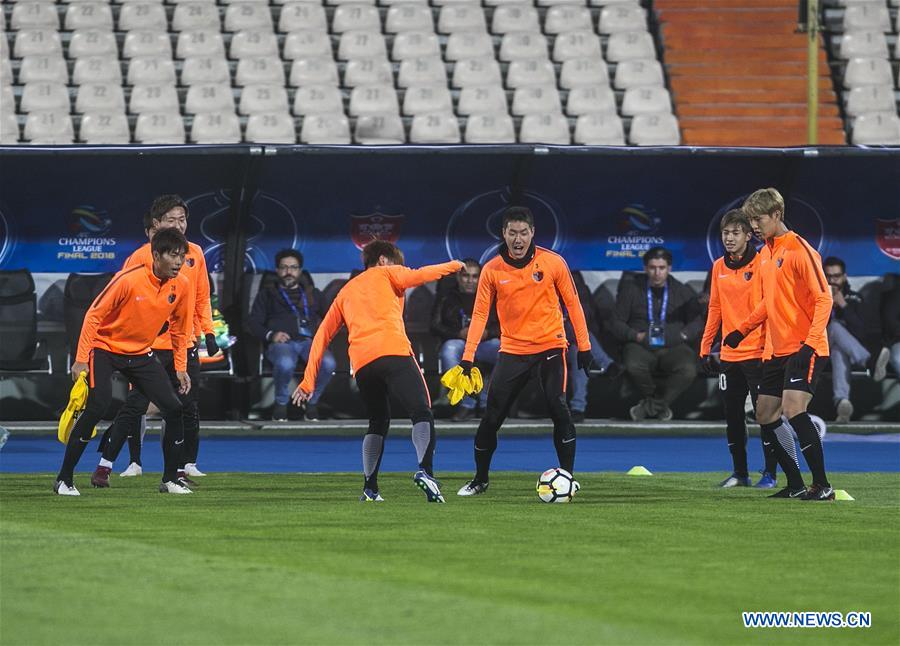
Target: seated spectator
x,y
846,334
450,320
656,317
285,317
890,319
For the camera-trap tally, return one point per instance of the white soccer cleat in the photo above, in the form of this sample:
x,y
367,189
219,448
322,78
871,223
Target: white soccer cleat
x,y
191,470
134,469
472,488
60,488
173,487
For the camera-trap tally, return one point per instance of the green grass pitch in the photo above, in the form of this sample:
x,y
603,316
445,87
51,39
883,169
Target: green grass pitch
x,y
277,559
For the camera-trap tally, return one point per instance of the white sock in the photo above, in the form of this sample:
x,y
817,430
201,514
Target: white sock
x,y
106,463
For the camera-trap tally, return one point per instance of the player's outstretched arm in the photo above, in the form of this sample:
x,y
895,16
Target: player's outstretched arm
x,y
330,325
405,278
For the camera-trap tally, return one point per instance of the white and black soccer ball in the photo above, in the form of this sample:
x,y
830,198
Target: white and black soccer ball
x,y
556,485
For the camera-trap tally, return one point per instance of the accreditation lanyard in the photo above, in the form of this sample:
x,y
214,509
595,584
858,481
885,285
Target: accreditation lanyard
x,y
464,318
665,305
301,323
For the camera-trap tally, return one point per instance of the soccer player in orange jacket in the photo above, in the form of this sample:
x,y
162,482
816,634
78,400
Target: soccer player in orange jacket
x,y
118,331
527,283
166,211
796,306
735,289
371,306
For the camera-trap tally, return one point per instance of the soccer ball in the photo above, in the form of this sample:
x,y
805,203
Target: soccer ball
x,y
556,485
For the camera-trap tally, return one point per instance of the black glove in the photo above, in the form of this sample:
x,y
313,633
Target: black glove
x,y
212,348
466,368
804,356
585,361
709,364
733,339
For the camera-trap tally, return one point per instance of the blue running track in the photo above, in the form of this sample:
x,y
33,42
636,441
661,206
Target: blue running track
x,y
28,454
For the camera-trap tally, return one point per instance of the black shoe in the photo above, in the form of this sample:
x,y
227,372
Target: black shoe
x,y
462,414
279,413
312,413
577,416
819,492
787,492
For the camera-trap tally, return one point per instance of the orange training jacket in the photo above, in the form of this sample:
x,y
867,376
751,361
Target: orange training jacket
x,y
371,306
733,295
127,315
796,301
194,268
528,307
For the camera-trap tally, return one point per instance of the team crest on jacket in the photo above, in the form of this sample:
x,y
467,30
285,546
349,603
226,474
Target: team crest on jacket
x,y
779,262
748,275
172,297
189,261
538,276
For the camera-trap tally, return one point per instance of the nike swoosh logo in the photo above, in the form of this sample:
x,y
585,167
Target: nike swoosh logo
x,y
503,282
764,444
551,356
724,275
794,380
477,449
797,494
179,442
572,439
803,448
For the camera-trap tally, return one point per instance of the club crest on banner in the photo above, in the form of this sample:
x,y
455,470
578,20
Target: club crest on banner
x,y
887,237
375,226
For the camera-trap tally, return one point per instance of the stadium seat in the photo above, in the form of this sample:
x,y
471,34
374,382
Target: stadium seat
x,y
241,16
427,99
200,42
159,128
496,128
153,98
300,45
868,71
205,69
536,99
515,17
482,99
359,44
638,73
9,128
622,17
554,3
523,44
253,42
379,130
422,71
654,130
408,17
477,71
44,97
6,73
862,44
564,17
151,69
259,69
49,128
599,130
415,44
530,72
78,295
878,128
208,97
100,97
871,15
271,128
646,100
370,99
216,128
297,16
576,44
435,128
140,43
31,42
461,17
97,69
453,3
549,128
142,16
869,98
467,44
20,351
576,72
314,71
318,99
325,129
590,99
89,15
368,71
7,100
262,98
630,44
190,16
355,17
50,68
34,15
104,128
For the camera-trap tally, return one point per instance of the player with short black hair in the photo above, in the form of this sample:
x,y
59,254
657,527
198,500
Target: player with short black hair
x,y
371,306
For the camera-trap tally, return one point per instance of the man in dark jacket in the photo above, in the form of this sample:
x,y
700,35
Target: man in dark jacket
x,y
285,317
846,334
656,317
890,318
450,320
